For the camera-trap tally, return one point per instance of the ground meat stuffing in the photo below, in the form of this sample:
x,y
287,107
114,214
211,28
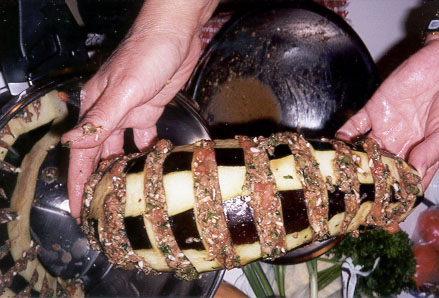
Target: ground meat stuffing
x,y
37,107
89,129
113,235
19,266
45,290
4,166
3,194
63,96
26,291
316,196
61,291
6,130
71,288
381,175
156,212
406,190
4,249
49,174
7,215
345,168
208,207
265,200
89,189
260,189
25,115
3,144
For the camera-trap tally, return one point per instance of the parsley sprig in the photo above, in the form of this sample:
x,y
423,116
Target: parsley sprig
x,y
394,272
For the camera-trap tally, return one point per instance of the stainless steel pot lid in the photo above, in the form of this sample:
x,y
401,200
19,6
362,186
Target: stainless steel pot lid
x,y
65,251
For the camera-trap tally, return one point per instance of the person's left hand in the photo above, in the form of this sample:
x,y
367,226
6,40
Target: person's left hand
x,y
403,114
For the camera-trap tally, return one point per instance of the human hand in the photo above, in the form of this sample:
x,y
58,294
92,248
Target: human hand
x,y
131,89
403,114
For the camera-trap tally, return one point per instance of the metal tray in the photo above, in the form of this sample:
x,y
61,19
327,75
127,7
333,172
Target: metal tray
x,y
55,230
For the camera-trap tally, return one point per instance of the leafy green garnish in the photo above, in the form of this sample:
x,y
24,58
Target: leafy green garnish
x,y
396,268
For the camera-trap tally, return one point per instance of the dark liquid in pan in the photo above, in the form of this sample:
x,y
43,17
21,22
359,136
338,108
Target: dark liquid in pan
x,y
243,100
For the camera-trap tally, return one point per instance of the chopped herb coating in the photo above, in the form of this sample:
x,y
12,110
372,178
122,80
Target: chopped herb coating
x,y
265,200
156,212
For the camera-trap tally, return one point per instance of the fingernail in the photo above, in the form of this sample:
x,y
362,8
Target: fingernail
x,y
422,171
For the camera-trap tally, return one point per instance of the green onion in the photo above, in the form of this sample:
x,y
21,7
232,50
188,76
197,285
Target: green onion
x,y
257,280
333,261
328,275
313,285
253,281
261,275
279,275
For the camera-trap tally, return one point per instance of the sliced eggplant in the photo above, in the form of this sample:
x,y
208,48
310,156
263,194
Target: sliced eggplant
x,y
284,169
44,110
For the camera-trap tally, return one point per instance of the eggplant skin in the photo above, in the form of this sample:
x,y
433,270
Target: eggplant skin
x,y
178,185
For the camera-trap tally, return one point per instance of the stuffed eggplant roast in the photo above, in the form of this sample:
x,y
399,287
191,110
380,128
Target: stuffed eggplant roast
x,y
224,203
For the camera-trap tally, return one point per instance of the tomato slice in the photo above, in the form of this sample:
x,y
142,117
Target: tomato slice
x,y
428,226
427,267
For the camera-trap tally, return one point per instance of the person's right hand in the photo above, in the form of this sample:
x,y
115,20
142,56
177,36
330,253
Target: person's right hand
x,y
131,89
403,114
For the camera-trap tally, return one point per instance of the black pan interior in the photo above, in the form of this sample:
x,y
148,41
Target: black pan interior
x,y
293,65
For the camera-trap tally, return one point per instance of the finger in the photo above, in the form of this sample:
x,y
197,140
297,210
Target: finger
x,y
143,117
425,154
144,138
357,125
429,174
143,120
109,110
90,92
430,37
113,145
82,164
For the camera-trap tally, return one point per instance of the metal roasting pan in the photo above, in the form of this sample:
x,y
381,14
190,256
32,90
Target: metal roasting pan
x,y
65,251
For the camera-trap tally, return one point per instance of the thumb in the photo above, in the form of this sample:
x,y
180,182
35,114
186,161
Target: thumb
x,y
425,156
107,113
357,125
